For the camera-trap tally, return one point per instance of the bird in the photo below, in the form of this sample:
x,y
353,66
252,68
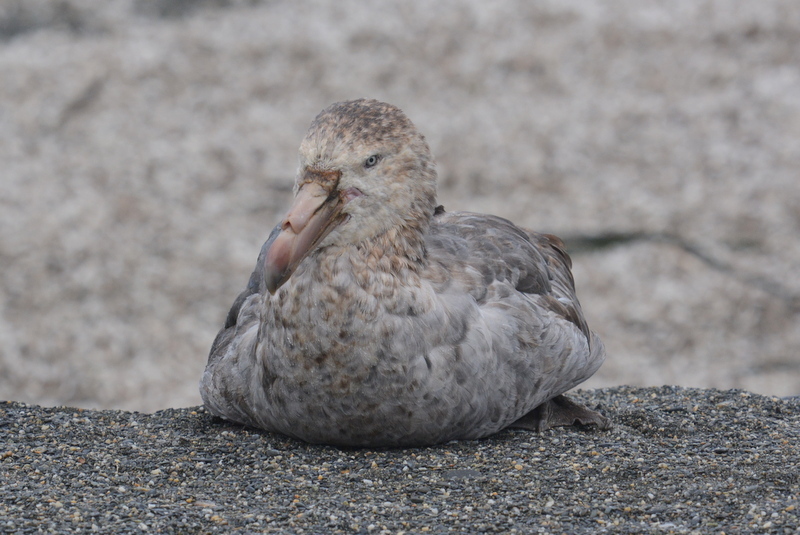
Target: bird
x,y
376,318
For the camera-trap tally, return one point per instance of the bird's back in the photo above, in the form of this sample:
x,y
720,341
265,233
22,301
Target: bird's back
x,y
522,285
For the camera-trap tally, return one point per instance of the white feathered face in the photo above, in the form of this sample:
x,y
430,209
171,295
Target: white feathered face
x,y
364,169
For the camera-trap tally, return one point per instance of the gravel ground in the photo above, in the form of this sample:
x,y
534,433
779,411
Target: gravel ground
x,y
678,460
148,146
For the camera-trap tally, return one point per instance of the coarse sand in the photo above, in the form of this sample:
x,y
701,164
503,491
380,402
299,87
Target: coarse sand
x,y
676,461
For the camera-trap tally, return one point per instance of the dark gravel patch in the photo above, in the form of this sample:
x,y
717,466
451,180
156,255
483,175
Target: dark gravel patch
x,y
677,461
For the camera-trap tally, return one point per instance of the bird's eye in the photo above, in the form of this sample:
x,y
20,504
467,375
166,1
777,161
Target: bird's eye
x,y
372,161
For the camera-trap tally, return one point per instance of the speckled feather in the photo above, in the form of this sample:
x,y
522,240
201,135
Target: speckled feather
x,y
400,327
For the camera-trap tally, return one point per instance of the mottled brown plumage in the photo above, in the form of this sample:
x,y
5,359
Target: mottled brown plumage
x,y
374,317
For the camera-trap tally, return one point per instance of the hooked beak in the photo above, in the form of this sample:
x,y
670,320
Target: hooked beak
x,y
316,210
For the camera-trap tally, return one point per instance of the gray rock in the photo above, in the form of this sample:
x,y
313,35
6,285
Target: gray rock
x,y
148,147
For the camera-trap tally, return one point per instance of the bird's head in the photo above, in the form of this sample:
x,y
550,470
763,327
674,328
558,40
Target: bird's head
x,y
364,170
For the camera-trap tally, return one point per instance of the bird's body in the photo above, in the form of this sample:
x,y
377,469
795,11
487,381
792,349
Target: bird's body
x,y
374,318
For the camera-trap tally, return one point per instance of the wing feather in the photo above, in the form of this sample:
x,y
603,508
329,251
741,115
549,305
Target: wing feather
x,y
535,264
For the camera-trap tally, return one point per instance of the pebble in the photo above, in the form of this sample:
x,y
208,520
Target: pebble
x,y
728,464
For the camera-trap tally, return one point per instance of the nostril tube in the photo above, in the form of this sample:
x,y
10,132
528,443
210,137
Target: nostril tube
x,y
351,193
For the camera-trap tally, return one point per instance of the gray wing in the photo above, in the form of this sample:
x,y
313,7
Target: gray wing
x,y
533,263
540,344
223,393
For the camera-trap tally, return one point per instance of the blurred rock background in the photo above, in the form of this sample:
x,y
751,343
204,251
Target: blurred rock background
x,y
148,146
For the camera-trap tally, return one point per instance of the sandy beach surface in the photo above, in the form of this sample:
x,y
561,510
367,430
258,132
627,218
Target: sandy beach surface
x,y
148,146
